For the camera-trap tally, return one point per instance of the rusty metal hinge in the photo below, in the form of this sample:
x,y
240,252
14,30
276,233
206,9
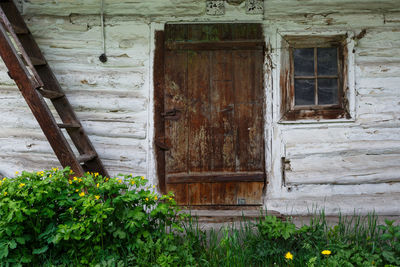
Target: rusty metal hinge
x,y
163,143
172,114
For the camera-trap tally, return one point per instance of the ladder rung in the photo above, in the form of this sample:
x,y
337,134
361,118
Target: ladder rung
x,y
86,157
37,61
69,125
50,94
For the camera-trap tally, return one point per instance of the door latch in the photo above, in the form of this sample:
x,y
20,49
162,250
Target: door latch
x,y
172,114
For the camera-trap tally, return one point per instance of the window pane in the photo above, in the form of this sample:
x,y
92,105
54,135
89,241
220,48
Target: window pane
x,y
327,91
303,62
327,61
304,91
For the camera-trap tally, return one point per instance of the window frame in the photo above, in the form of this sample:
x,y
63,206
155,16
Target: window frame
x,y
291,112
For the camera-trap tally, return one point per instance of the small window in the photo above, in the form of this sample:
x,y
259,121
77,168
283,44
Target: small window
x,y
313,77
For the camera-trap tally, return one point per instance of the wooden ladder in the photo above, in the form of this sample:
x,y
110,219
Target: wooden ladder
x,y
34,78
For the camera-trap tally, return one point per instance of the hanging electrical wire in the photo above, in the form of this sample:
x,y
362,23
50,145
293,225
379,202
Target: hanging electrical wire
x,y
103,57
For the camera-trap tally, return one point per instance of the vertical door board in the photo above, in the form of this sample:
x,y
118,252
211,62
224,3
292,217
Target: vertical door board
x,y
175,98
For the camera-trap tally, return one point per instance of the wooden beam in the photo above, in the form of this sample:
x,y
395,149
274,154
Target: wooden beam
x,y
215,177
158,74
233,45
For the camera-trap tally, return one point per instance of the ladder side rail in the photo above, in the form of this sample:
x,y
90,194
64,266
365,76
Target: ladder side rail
x,y
10,29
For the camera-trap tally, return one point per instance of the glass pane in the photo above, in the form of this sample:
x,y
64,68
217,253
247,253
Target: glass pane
x,y
327,91
303,62
304,91
327,61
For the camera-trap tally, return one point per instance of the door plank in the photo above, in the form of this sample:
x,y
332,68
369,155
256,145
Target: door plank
x,y
224,193
175,95
248,111
222,116
199,111
181,193
200,194
251,192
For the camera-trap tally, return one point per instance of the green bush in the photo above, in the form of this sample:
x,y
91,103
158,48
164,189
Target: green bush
x,y
51,218
54,216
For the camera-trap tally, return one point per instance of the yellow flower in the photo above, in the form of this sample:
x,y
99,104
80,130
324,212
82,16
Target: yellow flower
x,y
120,181
50,176
96,174
5,193
132,182
70,181
97,197
16,173
4,178
107,179
142,177
77,190
147,199
155,198
21,185
54,169
75,179
170,198
79,180
81,194
71,171
97,185
289,256
1,182
326,252
154,186
70,208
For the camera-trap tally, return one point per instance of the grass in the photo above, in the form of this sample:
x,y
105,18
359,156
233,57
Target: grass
x,y
354,241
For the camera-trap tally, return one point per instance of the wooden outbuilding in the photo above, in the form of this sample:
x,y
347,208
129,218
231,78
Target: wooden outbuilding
x,y
290,106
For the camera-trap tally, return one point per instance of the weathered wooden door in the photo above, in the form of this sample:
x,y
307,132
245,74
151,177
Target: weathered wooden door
x,y
213,114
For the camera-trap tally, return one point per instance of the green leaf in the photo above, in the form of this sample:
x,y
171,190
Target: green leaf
x,y
145,234
119,233
20,240
26,259
3,251
40,250
12,244
387,236
389,222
